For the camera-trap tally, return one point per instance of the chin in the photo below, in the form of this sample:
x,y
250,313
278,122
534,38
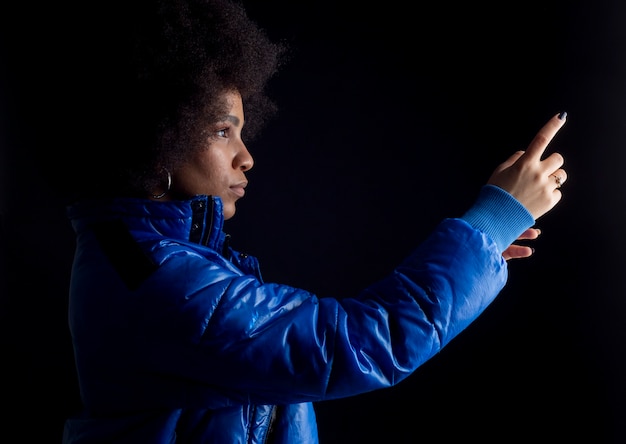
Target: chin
x,y
228,213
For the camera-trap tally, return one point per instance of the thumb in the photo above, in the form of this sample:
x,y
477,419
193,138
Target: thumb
x,y
510,161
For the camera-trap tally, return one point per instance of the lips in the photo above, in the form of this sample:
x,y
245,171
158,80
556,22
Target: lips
x,y
239,189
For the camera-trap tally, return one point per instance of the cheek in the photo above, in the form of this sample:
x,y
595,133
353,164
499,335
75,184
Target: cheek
x,y
197,177
211,181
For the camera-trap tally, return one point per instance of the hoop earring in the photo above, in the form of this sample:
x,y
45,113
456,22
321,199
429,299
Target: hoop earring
x,y
169,186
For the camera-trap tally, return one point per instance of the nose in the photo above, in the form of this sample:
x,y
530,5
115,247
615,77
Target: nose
x,y
243,160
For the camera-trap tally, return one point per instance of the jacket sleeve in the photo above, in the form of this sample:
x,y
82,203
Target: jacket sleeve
x,y
272,343
403,320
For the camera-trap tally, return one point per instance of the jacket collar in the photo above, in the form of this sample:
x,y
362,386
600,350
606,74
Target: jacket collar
x,y
199,220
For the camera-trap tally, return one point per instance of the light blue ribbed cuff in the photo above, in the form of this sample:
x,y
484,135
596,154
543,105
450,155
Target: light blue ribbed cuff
x,y
499,215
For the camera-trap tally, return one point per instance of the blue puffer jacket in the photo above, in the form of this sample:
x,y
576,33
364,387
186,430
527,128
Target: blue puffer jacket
x,y
178,339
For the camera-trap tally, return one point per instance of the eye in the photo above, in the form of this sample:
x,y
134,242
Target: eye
x,y
221,132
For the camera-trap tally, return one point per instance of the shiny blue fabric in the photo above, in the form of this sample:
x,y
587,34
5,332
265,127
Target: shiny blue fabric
x,y
201,350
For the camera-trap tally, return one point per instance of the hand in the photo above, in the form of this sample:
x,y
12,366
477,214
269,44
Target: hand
x,y
532,181
519,251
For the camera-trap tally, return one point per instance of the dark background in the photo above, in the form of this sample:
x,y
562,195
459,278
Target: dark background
x,y
392,117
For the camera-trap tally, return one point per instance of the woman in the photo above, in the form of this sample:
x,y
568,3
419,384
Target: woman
x,y
177,337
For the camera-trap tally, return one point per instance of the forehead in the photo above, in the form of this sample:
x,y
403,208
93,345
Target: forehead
x,y
235,107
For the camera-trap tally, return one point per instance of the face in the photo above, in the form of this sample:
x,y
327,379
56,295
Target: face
x,y
220,168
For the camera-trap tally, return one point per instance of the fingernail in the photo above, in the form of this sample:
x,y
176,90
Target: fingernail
x,y
563,115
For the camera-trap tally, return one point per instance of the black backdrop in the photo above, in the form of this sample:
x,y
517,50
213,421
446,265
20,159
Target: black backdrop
x,y
391,118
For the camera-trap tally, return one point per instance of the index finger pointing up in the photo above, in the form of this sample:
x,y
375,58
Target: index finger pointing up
x,y
541,140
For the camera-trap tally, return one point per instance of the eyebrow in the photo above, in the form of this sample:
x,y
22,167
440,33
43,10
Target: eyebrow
x,y
234,119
